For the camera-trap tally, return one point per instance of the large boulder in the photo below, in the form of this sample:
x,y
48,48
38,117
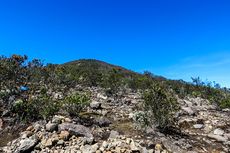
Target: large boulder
x,y
77,130
26,145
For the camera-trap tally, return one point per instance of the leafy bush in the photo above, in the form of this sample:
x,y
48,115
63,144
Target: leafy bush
x,y
161,104
112,81
75,103
225,103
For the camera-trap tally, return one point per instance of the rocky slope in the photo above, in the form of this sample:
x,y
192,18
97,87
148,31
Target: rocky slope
x,y
109,126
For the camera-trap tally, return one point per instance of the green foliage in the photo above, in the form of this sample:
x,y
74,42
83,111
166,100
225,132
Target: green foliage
x,y
112,81
75,103
17,71
161,103
35,108
225,103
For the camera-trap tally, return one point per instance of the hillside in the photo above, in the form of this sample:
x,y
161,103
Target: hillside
x,y
92,106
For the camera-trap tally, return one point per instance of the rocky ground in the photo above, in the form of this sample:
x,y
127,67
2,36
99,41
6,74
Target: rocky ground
x,y
109,126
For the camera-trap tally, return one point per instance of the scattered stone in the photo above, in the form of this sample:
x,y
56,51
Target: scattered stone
x,y
102,122
198,126
218,138
133,147
49,143
57,119
30,128
27,144
188,110
218,132
60,142
113,134
64,135
95,105
50,127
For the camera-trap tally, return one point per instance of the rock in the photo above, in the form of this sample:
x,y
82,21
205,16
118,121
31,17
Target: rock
x,y
64,135
158,147
113,134
27,144
77,130
171,147
198,126
218,132
94,147
49,143
105,144
102,96
26,134
6,113
102,122
227,135
133,147
68,120
30,128
86,149
57,119
188,110
60,142
37,127
95,105
218,138
50,127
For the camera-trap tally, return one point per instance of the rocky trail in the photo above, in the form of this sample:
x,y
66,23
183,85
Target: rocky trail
x,y
108,126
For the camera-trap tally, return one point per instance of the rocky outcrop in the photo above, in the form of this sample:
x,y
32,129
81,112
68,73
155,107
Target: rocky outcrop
x,y
109,125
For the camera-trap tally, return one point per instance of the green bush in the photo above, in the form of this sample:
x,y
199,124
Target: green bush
x,y
75,103
161,104
225,103
40,107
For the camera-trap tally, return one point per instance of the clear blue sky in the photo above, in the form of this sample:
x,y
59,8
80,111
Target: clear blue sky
x,y
174,38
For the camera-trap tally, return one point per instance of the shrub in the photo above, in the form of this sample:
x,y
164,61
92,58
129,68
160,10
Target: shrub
x,y
36,108
161,104
75,103
225,103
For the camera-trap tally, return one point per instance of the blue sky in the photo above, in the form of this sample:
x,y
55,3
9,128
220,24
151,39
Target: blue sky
x,y
174,38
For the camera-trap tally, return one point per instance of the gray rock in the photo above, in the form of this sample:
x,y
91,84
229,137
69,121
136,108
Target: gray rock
x,y
198,126
113,134
188,110
27,144
60,142
95,105
134,147
86,148
77,130
218,132
94,147
102,122
218,138
57,119
51,127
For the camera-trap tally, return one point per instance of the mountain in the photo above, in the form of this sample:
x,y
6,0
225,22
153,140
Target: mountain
x,y
93,106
